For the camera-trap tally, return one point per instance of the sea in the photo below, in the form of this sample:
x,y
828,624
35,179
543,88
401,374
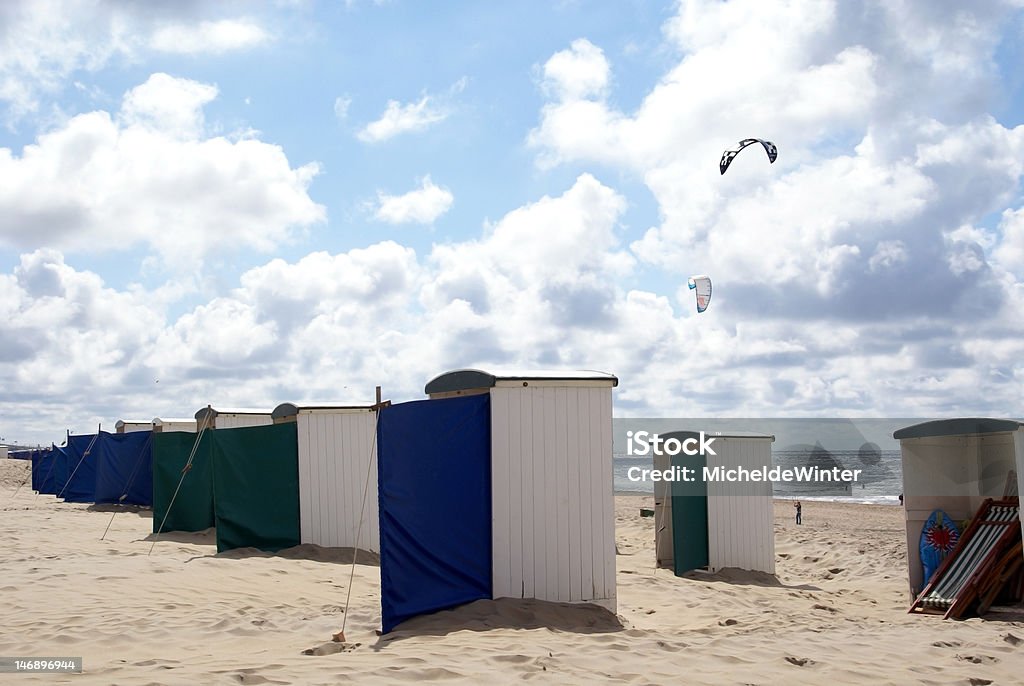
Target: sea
x,y
880,482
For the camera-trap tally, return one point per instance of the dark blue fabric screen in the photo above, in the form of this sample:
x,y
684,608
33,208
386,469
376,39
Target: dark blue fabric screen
x,y
434,471
60,470
42,471
124,467
81,470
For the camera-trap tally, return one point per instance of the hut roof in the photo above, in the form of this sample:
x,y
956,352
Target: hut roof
x,y
960,426
465,379
292,409
213,412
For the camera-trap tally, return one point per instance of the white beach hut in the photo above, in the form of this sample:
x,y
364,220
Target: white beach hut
x,y
337,472
552,514
167,424
232,418
125,426
717,523
953,465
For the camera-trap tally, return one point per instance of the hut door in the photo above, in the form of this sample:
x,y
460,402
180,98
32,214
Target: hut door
x,y
690,515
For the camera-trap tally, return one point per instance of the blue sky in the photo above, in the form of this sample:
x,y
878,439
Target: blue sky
x,y
264,202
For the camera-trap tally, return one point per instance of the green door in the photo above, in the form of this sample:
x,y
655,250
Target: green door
x,y
690,515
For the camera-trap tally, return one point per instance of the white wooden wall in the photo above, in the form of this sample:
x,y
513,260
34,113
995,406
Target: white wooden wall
x,y
336,450
553,519
741,529
188,427
237,421
132,427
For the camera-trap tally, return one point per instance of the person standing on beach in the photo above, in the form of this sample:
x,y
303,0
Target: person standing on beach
x,y
799,508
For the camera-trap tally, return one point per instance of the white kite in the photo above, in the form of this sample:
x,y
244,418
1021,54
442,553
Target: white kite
x,y
701,284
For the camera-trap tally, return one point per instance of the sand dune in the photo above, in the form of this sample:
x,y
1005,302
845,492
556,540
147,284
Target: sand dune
x,y
835,613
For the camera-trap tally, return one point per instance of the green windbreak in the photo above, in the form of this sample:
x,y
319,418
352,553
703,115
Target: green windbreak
x,y
256,487
193,506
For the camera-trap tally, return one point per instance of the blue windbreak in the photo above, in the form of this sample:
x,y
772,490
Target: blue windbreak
x,y
434,469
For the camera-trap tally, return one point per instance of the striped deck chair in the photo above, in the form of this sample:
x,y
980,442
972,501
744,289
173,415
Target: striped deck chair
x,y
955,585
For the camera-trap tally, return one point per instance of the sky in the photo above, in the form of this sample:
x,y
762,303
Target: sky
x,y
243,204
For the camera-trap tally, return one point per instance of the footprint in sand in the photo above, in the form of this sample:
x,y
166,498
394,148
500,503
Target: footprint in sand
x,y
728,622
947,644
248,677
332,609
978,659
799,661
331,648
1013,640
973,681
514,659
819,606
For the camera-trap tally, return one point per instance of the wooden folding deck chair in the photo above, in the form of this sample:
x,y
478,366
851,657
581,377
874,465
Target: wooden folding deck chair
x,y
979,560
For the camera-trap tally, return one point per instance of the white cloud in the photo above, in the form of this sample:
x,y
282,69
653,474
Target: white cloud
x,y
539,287
43,43
381,275
80,332
169,105
422,205
416,116
341,105
224,333
887,255
152,179
880,165
579,72
398,118
209,37
825,96
1010,252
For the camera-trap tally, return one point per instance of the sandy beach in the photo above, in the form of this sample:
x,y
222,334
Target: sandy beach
x,y
835,612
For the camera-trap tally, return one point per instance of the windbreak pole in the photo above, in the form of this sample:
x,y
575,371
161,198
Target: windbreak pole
x,y
340,636
184,470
